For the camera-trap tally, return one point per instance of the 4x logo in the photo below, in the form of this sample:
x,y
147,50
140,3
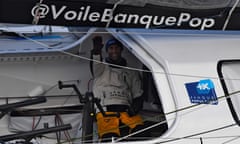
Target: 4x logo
x,y
204,86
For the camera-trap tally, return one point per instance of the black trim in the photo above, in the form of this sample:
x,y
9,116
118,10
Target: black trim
x,y
226,92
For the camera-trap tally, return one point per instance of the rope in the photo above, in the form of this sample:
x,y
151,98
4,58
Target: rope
x,y
230,14
113,9
175,111
37,14
123,67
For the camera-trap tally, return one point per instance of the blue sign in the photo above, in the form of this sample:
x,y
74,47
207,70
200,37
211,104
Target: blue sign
x,y
202,92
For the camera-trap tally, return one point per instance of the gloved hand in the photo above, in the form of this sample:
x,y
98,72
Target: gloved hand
x,y
97,45
137,104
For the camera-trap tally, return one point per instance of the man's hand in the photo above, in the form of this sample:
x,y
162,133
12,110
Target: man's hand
x,y
137,104
97,45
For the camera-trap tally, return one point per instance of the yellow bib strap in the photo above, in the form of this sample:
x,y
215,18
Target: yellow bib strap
x,y
111,124
131,122
107,124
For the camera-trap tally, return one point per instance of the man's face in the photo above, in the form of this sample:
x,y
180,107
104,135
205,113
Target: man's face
x,y
114,52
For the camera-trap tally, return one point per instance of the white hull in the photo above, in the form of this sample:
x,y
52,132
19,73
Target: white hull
x,y
175,58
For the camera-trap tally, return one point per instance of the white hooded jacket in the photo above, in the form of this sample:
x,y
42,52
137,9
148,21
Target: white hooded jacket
x,y
115,86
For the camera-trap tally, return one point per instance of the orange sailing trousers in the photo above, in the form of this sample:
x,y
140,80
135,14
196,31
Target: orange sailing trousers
x,y
111,124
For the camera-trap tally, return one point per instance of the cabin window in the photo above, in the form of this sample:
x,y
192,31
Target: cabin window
x,y
152,112
229,74
152,109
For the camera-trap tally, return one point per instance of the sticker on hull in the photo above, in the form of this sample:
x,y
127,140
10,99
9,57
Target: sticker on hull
x,y
202,92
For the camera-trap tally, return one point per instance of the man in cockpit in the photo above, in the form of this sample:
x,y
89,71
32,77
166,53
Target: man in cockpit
x,y
118,88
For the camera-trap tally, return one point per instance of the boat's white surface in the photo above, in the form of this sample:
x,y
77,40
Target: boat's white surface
x,y
173,57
